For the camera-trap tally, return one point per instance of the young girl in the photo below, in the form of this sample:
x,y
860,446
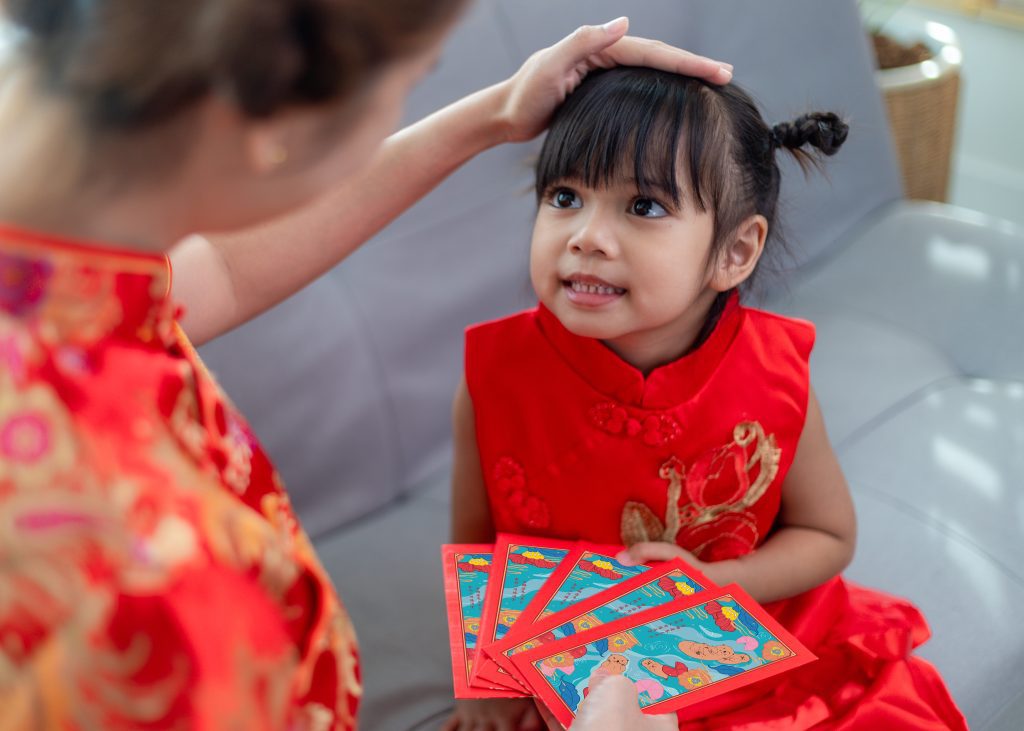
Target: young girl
x,y
641,403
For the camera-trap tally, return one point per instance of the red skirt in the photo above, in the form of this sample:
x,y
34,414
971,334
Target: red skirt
x,y
865,677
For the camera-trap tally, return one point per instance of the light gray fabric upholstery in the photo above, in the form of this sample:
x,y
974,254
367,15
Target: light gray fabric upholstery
x,y
919,368
919,360
349,383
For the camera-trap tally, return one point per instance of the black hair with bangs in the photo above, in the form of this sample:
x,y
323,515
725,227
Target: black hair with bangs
x,y
643,125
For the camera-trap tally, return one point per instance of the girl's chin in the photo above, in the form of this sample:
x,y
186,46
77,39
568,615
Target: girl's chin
x,y
587,326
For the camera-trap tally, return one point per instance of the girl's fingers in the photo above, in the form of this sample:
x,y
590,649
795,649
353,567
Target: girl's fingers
x,y
640,553
630,51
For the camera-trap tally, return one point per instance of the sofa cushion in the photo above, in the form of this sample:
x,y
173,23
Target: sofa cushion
x,y
388,571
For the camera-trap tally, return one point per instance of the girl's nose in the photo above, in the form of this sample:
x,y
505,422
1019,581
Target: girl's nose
x,y
595,237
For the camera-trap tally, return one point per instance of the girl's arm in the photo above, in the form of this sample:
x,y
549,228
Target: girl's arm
x,y
225,280
814,535
471,513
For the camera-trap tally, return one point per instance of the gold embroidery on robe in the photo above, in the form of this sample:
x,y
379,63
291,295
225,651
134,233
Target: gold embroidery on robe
x,y
760,466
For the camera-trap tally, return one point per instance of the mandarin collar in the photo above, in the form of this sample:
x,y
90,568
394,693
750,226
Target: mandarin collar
x,y
80,292
666,386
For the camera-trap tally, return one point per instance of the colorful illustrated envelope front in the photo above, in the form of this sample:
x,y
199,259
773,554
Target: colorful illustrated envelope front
x,y
466,571
588,572
665,582
677,654
521,566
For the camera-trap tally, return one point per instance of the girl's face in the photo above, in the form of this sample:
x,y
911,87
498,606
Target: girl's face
x,y
625,269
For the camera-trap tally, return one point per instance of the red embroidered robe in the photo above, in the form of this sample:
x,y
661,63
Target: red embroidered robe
x,y
152,572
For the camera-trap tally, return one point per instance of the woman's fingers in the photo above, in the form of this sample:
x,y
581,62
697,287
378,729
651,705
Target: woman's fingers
x,y
608,45
588,40
612,704
630,51
549,75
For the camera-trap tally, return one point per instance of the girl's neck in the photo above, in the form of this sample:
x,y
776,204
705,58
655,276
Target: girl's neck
x,y
650,349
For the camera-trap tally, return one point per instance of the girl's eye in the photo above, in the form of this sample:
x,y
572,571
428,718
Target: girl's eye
x,y
565,198
647,208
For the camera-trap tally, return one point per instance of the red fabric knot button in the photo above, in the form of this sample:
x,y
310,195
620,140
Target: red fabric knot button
x,y
654,430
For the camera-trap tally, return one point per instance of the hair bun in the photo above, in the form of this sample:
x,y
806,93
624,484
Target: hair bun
x,y
823,130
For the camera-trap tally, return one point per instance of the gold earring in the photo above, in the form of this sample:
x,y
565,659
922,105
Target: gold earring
x,y
274,155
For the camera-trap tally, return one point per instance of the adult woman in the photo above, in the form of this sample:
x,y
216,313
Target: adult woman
x,y
153,572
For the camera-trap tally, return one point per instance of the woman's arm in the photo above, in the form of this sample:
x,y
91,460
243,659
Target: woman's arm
x,y
815,532
471,513
224,280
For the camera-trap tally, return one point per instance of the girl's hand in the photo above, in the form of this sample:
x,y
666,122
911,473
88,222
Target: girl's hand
x,y
718,571
549,75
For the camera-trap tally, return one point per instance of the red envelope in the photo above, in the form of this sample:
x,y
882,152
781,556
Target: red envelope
x,y
541,604
521,565
464,590
665,582
677,654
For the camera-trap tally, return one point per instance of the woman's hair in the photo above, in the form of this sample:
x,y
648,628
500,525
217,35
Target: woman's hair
x,y
641,124
127,64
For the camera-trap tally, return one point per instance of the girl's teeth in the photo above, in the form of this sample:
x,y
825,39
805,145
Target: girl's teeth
x,y
594,288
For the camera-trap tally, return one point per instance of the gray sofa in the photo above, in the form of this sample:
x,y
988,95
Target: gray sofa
x,y
919,362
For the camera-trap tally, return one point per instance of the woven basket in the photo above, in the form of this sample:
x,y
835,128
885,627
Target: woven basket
x,y
921,101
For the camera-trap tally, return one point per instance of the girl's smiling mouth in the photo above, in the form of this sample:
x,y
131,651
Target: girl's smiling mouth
x,y
590,291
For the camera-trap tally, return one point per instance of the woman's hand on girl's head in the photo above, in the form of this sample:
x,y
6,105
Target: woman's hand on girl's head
x,y
549,76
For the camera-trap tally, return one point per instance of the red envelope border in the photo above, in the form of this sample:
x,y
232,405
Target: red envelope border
x,y
496,650
554,583
487,669
801,655
456,633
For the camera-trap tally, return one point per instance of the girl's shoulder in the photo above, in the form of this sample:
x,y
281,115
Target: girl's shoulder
x,y
524,320
507,340
778,330
505,333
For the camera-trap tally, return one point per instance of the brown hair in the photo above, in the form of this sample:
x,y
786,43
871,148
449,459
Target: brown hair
x,y
128,64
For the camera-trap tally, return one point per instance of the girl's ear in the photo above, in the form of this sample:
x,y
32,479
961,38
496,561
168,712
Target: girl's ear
x,y
739,256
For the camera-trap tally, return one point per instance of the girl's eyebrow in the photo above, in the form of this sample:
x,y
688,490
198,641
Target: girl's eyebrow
x,y
651,184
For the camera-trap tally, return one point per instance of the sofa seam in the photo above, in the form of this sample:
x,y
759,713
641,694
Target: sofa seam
x,y
941,527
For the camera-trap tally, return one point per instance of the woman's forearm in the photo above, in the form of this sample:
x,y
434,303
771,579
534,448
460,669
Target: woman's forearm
x,y
224,280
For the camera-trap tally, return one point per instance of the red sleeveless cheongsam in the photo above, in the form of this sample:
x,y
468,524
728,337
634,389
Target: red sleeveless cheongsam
x,y
576,443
